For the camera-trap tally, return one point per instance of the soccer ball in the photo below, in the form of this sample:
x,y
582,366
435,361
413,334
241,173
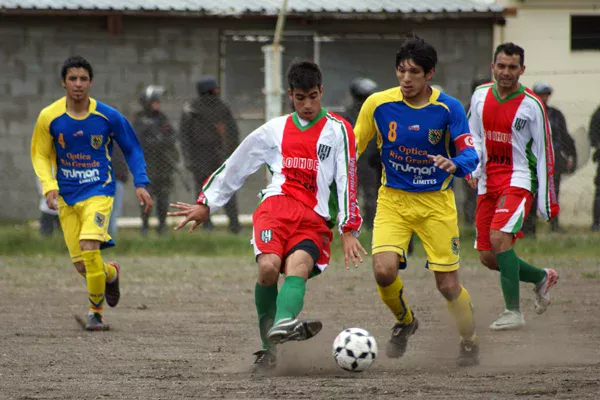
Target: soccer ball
x,y
354,349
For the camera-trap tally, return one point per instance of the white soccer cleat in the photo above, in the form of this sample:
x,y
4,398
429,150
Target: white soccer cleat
x,y
542,290
508,320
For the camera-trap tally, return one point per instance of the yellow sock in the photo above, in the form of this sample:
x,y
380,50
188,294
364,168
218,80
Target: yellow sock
x,y
393,297
110,271
95,278
462,311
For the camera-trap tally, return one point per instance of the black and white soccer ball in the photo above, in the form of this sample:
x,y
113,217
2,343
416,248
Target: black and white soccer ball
x,y
354,349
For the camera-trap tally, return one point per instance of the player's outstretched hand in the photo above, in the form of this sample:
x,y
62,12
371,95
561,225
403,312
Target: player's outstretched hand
x,y
52,200
443,163
192,212
144,198
352,250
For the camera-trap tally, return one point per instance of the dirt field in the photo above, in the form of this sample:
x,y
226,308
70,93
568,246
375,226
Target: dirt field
x,y
185,328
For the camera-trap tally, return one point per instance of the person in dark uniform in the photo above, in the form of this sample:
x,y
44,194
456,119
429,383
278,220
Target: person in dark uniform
x,y
565,153
594,132
158,140
209,134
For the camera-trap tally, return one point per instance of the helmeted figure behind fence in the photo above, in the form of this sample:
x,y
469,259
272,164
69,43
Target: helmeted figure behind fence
x,y
158,139
209,134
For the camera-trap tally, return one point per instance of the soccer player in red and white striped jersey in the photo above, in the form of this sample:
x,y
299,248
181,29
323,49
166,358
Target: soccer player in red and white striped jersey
x,y
310,153
513,140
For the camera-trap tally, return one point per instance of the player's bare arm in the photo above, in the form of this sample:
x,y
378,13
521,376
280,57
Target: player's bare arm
x,y
352,250
192,212
144,198
443,163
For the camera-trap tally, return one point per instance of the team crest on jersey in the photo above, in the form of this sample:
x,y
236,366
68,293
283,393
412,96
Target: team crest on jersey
x,y
435,135
266,235
520,123
455,242
96,141
323,151
99,219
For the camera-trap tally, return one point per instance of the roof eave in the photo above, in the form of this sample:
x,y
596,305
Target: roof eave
x,y
418,16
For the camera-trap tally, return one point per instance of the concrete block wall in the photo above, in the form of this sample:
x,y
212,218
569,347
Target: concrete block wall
x,y
32,50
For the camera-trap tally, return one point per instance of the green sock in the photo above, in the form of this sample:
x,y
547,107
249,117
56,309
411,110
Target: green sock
x,y
291,298
529,273
509,278
265,298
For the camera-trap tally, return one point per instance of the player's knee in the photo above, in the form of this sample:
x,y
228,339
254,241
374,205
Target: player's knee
x,y
385,274
268,271
489,260
500,241
449,288
79,266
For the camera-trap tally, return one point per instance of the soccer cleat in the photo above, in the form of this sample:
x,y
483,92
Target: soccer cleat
x,y
508,320
293,329
542,290
468,353
266,360
112,294
396,347
95,322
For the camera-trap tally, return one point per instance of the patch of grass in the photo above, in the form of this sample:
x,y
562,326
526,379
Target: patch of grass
x,y
23,240
591,275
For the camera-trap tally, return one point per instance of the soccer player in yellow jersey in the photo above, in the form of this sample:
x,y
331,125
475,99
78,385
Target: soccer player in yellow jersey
x,y
424,139
71,153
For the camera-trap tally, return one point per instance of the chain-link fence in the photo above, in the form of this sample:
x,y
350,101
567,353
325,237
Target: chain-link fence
x,y
194,128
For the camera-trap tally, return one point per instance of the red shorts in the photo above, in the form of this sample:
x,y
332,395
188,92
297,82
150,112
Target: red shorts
x,y
503,210
281,222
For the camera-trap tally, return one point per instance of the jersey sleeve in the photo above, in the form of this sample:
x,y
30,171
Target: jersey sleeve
x,y
544,153
43,154
245,160
466,161
349,219
365,127
476,129
132,150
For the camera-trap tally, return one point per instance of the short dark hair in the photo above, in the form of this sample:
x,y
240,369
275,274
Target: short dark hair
x,y
421,53
510,49
76,62
304,75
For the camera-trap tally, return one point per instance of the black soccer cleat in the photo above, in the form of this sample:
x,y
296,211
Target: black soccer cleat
x,y
396,347
293,329
112,294
468,353
266,360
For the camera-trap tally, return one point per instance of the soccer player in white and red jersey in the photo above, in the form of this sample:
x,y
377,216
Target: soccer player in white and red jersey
x,y
513,140
307,152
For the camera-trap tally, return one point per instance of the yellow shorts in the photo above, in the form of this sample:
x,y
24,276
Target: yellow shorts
x,y
431,215
86,220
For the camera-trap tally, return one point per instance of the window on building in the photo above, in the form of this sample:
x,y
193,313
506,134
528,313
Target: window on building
x,y
585,32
